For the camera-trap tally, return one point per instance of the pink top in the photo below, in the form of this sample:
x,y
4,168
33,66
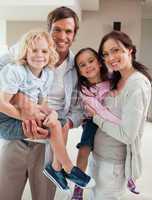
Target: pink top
x,y
95,98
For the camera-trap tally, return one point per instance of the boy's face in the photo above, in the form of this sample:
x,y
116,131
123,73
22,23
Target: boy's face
x,y
63,34
38,55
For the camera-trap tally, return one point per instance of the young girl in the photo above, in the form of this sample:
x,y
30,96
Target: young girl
x,y
93,86
32,75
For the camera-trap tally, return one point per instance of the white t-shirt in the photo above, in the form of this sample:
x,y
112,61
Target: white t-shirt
x,y
15,78
57,91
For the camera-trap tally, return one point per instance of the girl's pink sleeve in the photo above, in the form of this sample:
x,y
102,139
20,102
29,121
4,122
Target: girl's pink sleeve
x,y
101,110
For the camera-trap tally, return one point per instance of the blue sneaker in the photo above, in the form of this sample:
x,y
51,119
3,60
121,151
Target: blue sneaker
x,y
80,178
57,177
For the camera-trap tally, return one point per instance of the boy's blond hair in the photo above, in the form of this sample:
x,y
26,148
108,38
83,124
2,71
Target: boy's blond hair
x,y
27,41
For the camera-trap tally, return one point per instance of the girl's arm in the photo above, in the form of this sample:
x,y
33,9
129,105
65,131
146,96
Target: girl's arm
x,y
7,108
101,110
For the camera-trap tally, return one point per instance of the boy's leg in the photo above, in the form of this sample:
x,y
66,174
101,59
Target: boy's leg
x,y
58,145
70,172
56,164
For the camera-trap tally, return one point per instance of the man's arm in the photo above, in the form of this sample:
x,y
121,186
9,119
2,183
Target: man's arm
x,y
9,56
75,114
32,113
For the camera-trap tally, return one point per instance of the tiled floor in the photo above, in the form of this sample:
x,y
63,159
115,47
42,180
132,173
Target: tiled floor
x,y
144,183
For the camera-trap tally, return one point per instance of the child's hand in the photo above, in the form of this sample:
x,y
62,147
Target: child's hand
x,y
91,111
51,119
113,93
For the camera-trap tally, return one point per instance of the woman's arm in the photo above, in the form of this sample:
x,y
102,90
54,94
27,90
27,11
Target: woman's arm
x,y
133,115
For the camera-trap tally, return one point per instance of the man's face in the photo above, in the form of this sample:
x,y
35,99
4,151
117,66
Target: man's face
x,y
63,34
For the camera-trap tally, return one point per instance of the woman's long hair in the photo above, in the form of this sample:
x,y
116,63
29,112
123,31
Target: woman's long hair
x,y
127,42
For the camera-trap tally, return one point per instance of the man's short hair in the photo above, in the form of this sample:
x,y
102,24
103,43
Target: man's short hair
x,y
62,13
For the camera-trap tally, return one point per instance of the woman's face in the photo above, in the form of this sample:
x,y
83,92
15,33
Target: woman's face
x,y
116,56
89,66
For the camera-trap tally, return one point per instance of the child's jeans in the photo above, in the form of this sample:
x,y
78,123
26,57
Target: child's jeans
x,y
89,131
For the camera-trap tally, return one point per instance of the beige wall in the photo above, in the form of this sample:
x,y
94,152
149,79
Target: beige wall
x,y
146,43
15,29
93,24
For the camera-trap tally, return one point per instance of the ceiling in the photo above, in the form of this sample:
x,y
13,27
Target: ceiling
x,y
16,10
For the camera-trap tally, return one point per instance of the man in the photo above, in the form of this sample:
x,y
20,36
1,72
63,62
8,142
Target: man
x,y
21,160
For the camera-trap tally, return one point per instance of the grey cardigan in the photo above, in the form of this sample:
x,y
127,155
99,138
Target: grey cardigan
x,y
132,103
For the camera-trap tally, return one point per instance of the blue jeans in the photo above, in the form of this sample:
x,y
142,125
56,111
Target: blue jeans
x,y
10,128
89,130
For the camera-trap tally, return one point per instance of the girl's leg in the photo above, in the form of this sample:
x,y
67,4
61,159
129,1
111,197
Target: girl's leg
x,y
82,162
82,159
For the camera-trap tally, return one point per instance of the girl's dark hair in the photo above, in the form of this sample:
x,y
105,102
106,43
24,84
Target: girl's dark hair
x,y
82,81
127,42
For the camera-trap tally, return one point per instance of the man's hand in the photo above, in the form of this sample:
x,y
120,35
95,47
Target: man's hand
x,y
31,130
28,109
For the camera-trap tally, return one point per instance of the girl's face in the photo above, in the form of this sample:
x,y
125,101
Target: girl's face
x,y
38,55
89,66
117,57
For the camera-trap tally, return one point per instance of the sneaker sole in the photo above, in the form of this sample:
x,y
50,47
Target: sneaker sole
x,y
55,182
90,184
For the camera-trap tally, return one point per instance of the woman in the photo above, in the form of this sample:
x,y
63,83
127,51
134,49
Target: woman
x,y
116,155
